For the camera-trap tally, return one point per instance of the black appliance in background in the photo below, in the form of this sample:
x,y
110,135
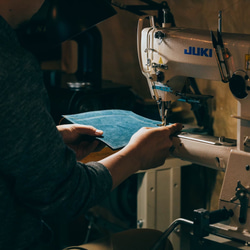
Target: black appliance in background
x,y
85,90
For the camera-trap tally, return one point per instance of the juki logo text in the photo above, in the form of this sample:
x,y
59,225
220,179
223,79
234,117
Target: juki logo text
x,y
198,51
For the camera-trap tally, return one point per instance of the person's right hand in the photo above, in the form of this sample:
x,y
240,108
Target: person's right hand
x,y
151,145
147,148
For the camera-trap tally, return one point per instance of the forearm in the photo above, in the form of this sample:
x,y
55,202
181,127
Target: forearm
x,y
121,165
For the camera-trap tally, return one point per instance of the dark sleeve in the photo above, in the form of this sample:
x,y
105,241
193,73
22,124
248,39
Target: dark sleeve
x,y
42,170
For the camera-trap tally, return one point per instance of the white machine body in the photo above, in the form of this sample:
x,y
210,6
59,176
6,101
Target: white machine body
x,y
185,53
167,56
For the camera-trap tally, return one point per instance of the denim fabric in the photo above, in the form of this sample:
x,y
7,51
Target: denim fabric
x,y
118,125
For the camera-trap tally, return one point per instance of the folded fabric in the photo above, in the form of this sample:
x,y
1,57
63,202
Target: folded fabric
x,y
117,125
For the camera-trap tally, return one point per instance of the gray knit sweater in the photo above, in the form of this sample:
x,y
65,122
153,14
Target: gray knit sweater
x,y
39,175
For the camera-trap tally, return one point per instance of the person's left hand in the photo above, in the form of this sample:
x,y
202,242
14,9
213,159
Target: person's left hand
x,y
80,138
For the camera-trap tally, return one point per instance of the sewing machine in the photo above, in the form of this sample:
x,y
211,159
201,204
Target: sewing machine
x,y
167,56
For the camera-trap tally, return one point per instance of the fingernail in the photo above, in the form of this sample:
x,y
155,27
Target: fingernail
x,y
98,131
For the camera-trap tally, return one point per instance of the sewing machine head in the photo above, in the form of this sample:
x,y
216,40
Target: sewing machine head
x,y
168,56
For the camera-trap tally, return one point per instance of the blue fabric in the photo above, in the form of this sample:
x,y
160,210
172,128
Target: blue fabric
x,y
118,125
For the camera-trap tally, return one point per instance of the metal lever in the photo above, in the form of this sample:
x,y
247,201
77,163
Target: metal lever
x,y
242,194
222,55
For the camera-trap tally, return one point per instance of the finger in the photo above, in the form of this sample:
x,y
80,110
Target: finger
x,y
88,130
173,128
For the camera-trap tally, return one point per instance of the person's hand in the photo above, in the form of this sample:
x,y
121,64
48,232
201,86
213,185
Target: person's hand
x,y
147,148
151,146
80,138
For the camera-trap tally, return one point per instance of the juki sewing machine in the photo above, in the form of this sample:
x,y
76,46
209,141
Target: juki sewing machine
x,y
167,56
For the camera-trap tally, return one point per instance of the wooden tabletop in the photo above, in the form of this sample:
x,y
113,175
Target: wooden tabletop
x,y
96,156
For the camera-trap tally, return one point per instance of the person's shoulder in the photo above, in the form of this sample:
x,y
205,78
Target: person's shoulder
x,y
15,57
